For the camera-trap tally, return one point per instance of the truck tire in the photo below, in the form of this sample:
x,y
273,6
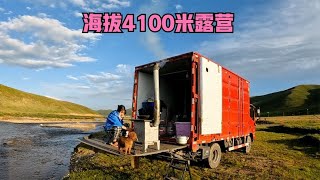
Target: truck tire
x,y
248,148
214,155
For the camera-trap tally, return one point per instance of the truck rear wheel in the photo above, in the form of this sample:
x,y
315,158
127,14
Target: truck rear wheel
x,y
248,147
214,155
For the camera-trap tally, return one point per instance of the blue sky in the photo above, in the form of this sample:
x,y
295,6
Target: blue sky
x,y
275,45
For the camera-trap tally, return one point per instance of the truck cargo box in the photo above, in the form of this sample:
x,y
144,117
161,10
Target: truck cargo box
x,y
198,98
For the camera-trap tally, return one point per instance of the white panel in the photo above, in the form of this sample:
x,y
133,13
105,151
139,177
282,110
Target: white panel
x,y
145,88
210,97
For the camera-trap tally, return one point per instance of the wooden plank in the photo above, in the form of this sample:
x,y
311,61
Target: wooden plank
x,y
104,147
138,150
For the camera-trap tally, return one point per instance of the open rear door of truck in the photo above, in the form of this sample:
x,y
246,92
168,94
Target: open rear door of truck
x,y
210,97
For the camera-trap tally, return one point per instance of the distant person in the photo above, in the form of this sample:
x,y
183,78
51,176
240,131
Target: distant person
x,y
114,125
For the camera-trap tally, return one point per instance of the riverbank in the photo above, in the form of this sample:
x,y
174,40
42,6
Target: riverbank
x,y
80,124
77,125
51,120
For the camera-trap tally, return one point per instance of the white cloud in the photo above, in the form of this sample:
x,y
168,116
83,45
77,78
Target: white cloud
x,y
96,5
125,69
25,78
4,11
72,78
43,43
96,96
77,14
48,3
179,8
51,97
97,90
75,86
154,44
78,2
101,77
42,15
282,42
28,8
120,3
86,5
152,41
8,13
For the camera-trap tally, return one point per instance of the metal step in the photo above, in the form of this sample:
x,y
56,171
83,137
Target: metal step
x,y
175,161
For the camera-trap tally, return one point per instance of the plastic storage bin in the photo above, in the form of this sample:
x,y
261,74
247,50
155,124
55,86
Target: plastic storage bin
x,y
183,128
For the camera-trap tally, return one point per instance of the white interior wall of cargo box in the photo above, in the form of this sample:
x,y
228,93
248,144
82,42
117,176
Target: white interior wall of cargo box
x,y
210,97
146,90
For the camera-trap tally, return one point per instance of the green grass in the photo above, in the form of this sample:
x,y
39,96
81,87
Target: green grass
x,y
306,122
17,103
295,101
277,153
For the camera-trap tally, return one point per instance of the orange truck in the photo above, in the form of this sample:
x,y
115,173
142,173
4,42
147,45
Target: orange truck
x,y
190,100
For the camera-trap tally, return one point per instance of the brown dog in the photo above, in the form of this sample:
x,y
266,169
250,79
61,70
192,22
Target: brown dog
x,y
126,143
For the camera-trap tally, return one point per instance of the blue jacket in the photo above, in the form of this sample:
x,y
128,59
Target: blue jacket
x,y
113,119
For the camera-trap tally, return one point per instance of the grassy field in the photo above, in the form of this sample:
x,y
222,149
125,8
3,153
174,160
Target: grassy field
x,y
285,148
15,103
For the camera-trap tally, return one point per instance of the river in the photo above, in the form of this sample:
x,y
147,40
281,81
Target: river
x,y
29,151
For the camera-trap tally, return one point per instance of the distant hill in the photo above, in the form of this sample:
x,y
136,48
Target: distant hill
x,y
106,112
103,112
17,103
297,100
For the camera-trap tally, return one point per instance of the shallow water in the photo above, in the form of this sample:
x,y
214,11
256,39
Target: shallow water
x,y
28,151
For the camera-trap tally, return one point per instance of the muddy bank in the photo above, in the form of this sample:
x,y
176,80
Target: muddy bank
x,y
27,120
80,124
86,126
29,151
